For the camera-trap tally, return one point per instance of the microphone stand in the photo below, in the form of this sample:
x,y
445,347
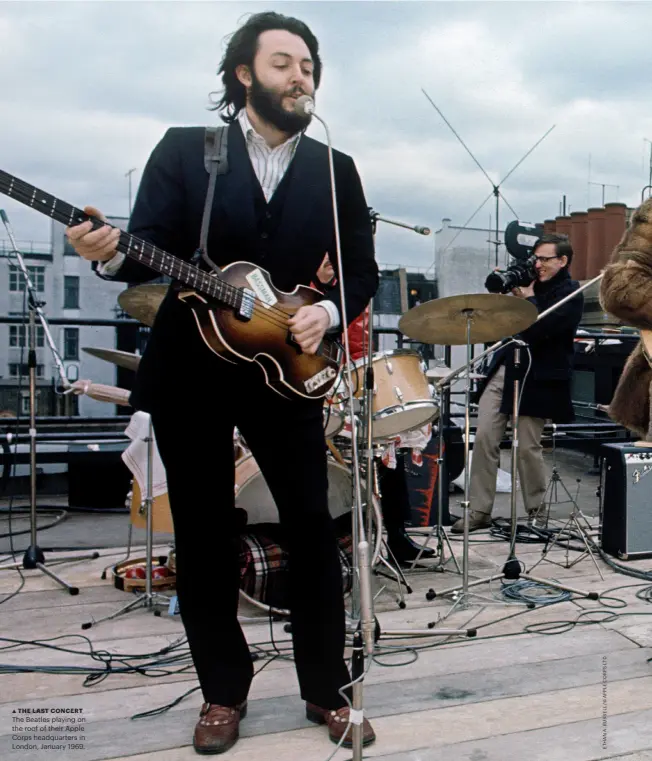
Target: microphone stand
x,y
371,483
34,557
368,411
417,228
361,552
361,549
442,539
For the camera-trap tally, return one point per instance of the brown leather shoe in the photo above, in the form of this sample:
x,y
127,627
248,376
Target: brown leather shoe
x,y
338,724
218,728
477,521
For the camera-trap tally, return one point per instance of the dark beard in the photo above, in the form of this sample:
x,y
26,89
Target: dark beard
x,y
267,104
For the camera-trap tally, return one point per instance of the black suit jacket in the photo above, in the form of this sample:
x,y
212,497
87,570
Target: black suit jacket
x,y
168,213
546,390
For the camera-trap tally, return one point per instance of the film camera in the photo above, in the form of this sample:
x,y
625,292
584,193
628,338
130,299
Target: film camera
x,y
520,239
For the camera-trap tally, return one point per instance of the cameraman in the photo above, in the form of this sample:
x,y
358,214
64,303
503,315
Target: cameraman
x,y
545,371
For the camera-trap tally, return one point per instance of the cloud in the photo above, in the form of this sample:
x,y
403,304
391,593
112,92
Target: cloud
x,y
90,87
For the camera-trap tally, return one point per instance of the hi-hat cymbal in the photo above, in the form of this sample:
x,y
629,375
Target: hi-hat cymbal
x,y
444,321
121,358
142,301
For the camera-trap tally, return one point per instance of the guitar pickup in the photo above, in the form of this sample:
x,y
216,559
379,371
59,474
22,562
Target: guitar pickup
x,y
312,384
247,303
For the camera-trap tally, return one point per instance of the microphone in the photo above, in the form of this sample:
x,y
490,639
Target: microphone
x,y
304,105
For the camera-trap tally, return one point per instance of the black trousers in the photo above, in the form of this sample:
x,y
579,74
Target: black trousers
x,y
287,440
394,497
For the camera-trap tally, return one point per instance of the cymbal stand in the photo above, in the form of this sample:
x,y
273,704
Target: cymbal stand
x,y
371,485
512,569
461,601
394,567
34,556
149,599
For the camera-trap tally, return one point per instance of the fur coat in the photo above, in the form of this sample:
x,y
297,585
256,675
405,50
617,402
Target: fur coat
x,y
626,293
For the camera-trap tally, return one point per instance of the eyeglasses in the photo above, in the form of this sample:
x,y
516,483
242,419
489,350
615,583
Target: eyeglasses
x,y
544,259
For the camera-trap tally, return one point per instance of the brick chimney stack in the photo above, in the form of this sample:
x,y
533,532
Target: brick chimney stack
x,y
593,235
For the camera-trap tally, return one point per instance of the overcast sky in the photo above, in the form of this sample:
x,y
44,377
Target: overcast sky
x,y
88,88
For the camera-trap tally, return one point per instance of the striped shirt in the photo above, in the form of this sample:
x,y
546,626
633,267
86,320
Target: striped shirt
x,y
270,164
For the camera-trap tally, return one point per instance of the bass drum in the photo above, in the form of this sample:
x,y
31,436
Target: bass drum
x,y
253,495
262,575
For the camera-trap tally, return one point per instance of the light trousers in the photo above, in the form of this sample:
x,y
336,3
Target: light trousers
x,y
486,452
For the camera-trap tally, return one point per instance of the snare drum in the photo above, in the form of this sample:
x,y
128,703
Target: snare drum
x,y
402,398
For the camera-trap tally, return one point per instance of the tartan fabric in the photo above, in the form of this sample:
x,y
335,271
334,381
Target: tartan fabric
x,y
263,566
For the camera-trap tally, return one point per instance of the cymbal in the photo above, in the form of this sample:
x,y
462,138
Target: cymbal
x,y
142,301
120,358
443,321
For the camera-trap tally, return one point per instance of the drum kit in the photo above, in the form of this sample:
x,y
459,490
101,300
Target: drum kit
x,y
407,396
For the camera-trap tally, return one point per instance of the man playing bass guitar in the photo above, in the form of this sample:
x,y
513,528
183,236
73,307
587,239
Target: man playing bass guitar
x,y
272,208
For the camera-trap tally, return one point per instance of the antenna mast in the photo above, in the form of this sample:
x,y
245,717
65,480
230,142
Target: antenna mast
x,y
495,192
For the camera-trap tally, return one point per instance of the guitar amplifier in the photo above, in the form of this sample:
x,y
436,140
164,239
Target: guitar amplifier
x,y
626,501
97,476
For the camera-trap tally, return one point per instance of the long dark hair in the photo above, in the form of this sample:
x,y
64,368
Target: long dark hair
x,y
242,49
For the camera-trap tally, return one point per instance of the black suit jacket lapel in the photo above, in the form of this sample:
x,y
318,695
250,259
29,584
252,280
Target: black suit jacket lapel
x,y
235,192
307,210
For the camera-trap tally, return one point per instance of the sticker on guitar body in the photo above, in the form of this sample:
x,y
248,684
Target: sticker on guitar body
x,y
319,379
261,288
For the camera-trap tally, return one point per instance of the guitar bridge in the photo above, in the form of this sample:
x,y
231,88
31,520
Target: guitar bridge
x,y
246,306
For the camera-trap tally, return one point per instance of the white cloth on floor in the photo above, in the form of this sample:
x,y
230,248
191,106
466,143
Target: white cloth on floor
x,y
135,456
503,479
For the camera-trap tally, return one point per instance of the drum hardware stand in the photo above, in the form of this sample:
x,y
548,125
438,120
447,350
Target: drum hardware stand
x,y
149,599
511,570
577,525
395,569
442,537
462,600
34,556
510,567
368,418
129,539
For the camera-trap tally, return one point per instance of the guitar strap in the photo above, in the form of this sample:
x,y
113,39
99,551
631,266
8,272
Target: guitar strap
x,y
216,163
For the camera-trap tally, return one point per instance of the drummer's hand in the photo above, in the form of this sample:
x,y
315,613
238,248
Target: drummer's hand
x,y
79,387
97,246
525,291
308,327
